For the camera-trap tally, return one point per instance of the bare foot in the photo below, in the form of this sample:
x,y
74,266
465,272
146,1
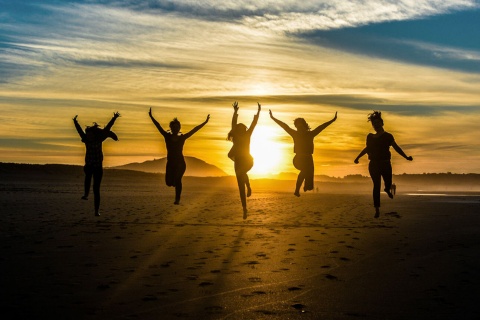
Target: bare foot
x,y
84,198
245,213
377,212
249,191
297,194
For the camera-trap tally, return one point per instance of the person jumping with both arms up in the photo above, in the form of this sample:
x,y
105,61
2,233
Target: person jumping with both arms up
x,y
303,149
240,153
93,138
174,141
378,150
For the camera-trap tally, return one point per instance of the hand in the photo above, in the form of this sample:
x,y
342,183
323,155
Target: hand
x,y
335,118
409,158
116,114
356,161
235,106
150,112
259,107
208,118
270,112
75,118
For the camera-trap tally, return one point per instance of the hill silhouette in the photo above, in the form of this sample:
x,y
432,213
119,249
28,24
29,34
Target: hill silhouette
x,y
195,167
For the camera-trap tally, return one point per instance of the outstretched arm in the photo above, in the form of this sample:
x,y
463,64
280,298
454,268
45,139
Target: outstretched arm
x,y
361,154
110,124
284,126
79,128
235,114
200,126
255,119
155,122
400,151
321,127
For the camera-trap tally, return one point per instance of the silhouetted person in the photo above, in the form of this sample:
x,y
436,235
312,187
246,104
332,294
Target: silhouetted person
x,y
303,149
378,150
93,138
393,189
240,153
174,141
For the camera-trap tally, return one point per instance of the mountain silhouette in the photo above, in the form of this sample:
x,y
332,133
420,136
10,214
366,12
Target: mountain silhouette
x,y
195,167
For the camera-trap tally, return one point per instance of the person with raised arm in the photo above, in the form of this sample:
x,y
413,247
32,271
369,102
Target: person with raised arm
x,y
303,148
93,137
240,135
378,150
174,141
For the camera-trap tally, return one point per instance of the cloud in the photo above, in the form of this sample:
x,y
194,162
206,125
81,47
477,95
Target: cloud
x,y
300,16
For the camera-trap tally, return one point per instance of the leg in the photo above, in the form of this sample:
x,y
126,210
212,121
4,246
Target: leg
x,y
300,179
308,174
97,180
387,178
88,181
377,182
247,184
178,191
179,172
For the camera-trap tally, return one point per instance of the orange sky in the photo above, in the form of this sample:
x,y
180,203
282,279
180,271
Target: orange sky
x,y
109,58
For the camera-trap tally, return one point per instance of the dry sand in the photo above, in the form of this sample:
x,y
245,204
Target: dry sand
x,y
320,256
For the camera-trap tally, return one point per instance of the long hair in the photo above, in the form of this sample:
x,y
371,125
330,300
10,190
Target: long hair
x,y
237,130
299,122
375,115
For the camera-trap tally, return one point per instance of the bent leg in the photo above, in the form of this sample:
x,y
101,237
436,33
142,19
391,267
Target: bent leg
x,y
300,179
387,177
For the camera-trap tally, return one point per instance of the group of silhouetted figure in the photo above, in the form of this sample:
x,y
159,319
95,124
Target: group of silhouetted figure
x,y
377,147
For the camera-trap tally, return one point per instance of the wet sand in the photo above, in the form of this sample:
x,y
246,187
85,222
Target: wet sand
x,y
320,256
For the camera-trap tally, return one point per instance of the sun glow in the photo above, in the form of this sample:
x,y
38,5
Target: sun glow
x,y
266,151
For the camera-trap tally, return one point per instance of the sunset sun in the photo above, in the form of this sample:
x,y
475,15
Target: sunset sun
x,y
266,151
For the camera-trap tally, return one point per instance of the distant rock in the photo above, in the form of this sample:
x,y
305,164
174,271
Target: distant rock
x,y
195,167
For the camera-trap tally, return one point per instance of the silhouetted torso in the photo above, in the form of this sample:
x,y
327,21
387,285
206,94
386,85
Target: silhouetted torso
x,y
174,146
302,142
93,143
378,148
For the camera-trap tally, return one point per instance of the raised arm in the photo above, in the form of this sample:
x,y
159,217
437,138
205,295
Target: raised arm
x,y
361,154
321,127
112,121
255,119
79,128
284,126
235,114
200,126
400,151
155,122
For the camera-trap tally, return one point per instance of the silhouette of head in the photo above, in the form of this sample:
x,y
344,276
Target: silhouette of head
x,y
239,130
175,126
376,119
91,131
301,124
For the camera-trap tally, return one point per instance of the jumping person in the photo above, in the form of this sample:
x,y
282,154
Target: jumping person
x,y
240,153
303,149
174,141
378,150
93,138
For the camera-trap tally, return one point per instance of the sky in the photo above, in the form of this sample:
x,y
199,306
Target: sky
x,y
417,61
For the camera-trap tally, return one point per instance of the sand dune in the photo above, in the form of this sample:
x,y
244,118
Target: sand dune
x,y
320,256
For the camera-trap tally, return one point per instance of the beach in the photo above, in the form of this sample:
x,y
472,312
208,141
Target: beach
x,y
320,256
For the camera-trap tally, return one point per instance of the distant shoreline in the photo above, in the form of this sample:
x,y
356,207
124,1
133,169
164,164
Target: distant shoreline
x,y
431,182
